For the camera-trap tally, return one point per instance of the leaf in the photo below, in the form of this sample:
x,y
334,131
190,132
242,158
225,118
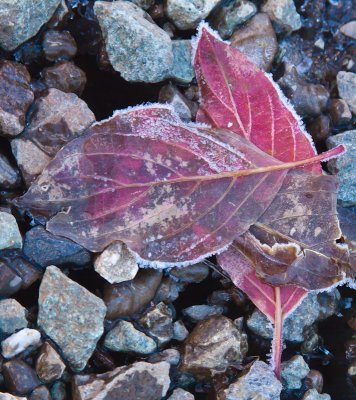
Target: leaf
x,y
238,96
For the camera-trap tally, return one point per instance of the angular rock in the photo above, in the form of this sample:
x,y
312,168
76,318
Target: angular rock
x,y
182,69
136,47
312,394
346,84
138,381
124,337
116,264
12,317
10,281
171,356
345,166
180,332
40,393
59,46
71,316
180,394
10,237
171,95
202,311
49,364
339,112
59,391
20,378
349,29
194,274
219,298
168,291
293,372
9,175
212,345
284,15
19,342
257,40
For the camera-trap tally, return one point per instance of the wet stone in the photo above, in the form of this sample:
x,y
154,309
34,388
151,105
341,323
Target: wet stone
x,y
283,14
58,45
9,175
346,84
171,356
339,112
10,237
171,95
12,317
20,341
194,274
20,378
182,69
180,394
314,380
71,316
313,394
49,364
180,332
293,372
40,393
202,311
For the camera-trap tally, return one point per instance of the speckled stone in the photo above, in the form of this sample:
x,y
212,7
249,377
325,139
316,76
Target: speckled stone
x,y
293,372
12,317
49,364
10,237
346,84
180,394
20,341
312,394
283,14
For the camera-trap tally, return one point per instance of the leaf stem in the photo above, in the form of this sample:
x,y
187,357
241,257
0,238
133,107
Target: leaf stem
x,y
277,343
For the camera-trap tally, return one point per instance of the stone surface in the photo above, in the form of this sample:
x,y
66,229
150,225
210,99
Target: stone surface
x,y
339,112
202,311
171,95
212,345
313,394
293,372
168,290
9,175
124,337
49,364
40,393
194,274
320,128
182,69
12,317
257,40
8,396
345,166
71,316
314,380
19,21
116,264
180,332
59,45
20,378
346,84
19,342
59,391
136,47
259,383
171,356
283,14
180,394
138,381
349,29
10,281
10,237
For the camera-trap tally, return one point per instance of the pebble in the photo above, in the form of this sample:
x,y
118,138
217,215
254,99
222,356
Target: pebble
x,y
293,372
138,381
219,297
202,311
339,112
313,394
212,345
320,128
314,380
283,14
346,84
257,40
180,332
186,14
59,391
40,393
20,341
16,95
171,95
9,175
58,46
71,316
180,394
10,237
12,317
136,47
124,337
42,248
344,166
116,264
171,356
349,29
194,274
145,4
182,69
49,364
8,396
20,21
259,383
20,378
168,291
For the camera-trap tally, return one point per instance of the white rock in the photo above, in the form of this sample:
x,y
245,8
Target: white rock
x,y
284,14
8,396
10,237
20,341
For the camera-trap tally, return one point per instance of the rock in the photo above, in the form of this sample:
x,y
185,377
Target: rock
x,y
59,46
313,394
212,345
293,372
116,264
127,298
186,14
219,297
283,14
202,311
136,47
20,378
346,84
65,76
168,290
339,112
293,54
12,317
59,391
349,29
158,321
8,396
71,316
10,237
145,4
180,394
194,274
43,248
314,380
171,356
138,381
56,118
345,167
124,337
40,393
232,14
10,282
257,40
19,21
320,128
49,364
182,69
259,383
19,342
180,332
9,175
171,95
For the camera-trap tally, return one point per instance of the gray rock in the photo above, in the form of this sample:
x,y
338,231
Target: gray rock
x,y
312,394
8,396
284,15
124,337
136,47
40,393
339,112
293,372
349,29
182,69
49,364
10,237
345,166
171,356
20,21
180,394
171,95
202,311
194,274
180,332
59,391
20,341
12,317
9,175
346,84
71,316
145,4
259,383
20,378
186,14
138,381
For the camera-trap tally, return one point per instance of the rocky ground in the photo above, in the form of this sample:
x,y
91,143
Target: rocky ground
x,y
78,326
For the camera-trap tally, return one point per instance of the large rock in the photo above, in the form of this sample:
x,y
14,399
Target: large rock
x,y
71,316
139,381
12,317
284,15
346,84
21,20
10,237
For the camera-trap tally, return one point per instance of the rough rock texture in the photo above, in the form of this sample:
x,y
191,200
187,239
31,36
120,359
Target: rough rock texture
x,y
59,45
71,316
21,20
19,342
284,14
201,311
194,274
40,393
293,372
213,344
8,396
10,237
180,394
16,96
345,166
171,95
180,332
20,378
312,394
171,356
139,381
49,364
339,111
346,84
12,317
182,69
125,337
136,47
349,29
257,40
314,380
9,175
116,264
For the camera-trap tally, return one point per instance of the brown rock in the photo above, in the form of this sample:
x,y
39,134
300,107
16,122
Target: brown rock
x,y
171,95
40,393
340,112
49,365
10,282
314,380
319,128
59,45
19,377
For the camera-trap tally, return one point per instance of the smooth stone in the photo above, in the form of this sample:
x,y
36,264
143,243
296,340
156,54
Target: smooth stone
x,y
219,297
339,112
180,332
346,84
180,394
293,372
49,364
9,175
283,14
202,311
349,29
40,393
8,396
10,236
171,356
12,317
312,394
314,380
182,69
20,378
194,274
10,281
59,45
20,341
71,316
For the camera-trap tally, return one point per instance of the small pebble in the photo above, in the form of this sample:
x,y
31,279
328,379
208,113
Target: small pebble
x,y
293,372
171,95
200,312
283,14
346,84
194,274
171,356
180,332
314,380
20,341
339,112
10,237
12,317
40,393
9,175
180,394
59,45
349,29
320,128
49,364
312,394
20,378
